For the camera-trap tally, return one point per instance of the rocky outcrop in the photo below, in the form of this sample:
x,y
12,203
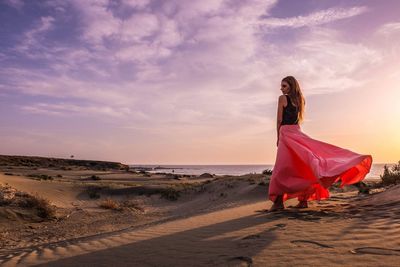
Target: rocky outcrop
x,y
206,175
43,162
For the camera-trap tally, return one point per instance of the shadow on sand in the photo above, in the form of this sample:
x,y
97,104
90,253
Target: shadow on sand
x,y
209,245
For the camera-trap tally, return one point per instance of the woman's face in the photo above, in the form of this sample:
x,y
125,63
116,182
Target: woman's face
x,y
285,88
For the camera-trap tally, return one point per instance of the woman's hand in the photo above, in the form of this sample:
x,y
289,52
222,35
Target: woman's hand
x,y
277,142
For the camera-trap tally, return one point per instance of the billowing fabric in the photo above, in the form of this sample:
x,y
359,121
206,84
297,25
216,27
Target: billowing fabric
x,y
305,167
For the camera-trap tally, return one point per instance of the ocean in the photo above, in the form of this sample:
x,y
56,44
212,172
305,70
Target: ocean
x,y
376,169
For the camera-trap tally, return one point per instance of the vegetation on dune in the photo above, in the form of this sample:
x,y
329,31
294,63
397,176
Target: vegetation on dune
x,y
41,177
43,207
111,204
267,172
12,198
263,183
131,204
391,175
170,193
95,178
172,176
93,192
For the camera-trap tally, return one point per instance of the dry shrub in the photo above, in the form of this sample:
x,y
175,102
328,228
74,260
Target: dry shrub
x,y
93,192
43,207
121,205
95,178
110,204
391,175
170,193
41,177
267,172
263,183
130,204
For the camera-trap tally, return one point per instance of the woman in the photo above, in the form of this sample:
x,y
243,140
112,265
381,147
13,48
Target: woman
x,y
305,167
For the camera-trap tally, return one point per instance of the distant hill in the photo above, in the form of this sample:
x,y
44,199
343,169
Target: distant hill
x,y
43,162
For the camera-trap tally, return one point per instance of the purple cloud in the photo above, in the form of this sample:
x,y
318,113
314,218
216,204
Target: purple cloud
x,y
181,66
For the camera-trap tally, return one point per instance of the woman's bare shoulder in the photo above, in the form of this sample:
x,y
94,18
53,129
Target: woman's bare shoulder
x,y
282,100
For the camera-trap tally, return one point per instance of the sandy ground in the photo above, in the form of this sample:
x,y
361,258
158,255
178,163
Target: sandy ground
x,y
214,222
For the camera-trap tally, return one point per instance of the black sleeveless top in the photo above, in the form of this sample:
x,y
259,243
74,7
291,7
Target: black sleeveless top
x,y
289,113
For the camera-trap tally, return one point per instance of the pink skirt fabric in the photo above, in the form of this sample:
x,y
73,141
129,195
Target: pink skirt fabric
x,y
305,167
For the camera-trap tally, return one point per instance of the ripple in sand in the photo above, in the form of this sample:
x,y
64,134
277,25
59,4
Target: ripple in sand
x,y
376,251
311,242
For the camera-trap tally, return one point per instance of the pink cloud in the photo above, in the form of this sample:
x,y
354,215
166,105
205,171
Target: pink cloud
x,y
316,18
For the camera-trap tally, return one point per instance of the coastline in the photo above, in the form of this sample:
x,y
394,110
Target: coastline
x,y
376,169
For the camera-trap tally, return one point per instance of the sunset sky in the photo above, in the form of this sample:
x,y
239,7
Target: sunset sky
x,y
195,82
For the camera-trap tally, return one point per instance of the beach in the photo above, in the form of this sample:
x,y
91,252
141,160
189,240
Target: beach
x,y
110,215
233,169
173,133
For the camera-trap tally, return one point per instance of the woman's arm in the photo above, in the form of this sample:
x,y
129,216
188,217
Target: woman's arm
x,y
281,101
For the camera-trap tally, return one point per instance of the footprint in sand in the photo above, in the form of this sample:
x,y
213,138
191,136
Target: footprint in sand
x,y
376,251
304,217
275,227
311,242
330,206
244,259
251,237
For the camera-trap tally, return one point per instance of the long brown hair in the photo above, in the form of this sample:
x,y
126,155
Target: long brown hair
x,y
296,96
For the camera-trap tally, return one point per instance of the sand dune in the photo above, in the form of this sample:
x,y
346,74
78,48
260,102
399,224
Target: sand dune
x,y
332,233
215,222
61,194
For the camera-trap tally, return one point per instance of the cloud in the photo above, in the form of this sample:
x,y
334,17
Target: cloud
x,y
98,20
316,18
137,4
183,63
389,28
31,38
65,109
328,64
138,27
18,4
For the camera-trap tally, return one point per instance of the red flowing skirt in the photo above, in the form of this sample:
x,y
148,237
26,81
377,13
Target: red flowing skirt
x,y
305,168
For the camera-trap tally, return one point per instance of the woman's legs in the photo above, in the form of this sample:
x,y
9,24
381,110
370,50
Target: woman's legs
x,y
302,204
278,204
